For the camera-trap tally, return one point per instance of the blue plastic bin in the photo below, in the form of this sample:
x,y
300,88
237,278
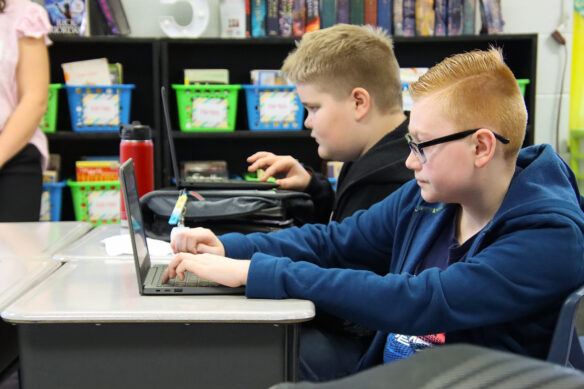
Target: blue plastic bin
x,y
54,190
96,108
258,98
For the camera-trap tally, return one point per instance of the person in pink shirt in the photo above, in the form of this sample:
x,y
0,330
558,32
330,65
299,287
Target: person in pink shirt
x,y
24,85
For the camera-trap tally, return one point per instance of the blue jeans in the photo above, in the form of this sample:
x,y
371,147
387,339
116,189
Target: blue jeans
x,y
327,355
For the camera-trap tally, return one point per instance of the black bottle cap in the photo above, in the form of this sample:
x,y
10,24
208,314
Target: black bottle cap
x,y
135,131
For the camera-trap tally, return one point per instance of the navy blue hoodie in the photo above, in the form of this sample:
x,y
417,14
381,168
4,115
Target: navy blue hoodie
x,y
505,295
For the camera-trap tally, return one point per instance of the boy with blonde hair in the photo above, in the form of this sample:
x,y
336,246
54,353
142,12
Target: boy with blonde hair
x,y
348,79
483,246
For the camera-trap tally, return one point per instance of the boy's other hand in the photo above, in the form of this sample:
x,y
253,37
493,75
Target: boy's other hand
x,y
226,271
196,241
287,171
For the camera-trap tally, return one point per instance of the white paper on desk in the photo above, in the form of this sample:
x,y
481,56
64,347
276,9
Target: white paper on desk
x,y
121,244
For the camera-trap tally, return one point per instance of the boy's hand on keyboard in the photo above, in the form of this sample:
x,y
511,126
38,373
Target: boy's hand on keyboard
x,y
288,172
226,271
196,241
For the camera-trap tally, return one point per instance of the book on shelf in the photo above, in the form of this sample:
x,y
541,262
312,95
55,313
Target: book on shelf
x,y
328,13
87,170
247,18
96,20
343,11
116,73
398,17
440,17
50,176
454,17
409,17
298,17
233,24
267,77
285,20
491,16
206,76
54,168
468,17
68,16
385,15
312,15
272,25
258,18
357,12
88,72
370,12
425,17
119,15
108,17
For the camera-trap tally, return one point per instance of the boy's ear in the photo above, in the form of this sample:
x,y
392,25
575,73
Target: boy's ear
x,y
361,102
485,145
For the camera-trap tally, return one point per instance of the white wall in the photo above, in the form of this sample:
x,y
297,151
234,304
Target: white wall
x,y
543,17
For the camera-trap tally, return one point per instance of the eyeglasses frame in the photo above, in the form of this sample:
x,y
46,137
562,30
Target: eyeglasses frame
x,y
417,148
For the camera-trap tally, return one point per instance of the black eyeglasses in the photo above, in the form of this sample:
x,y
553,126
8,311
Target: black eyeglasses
x,y
417,148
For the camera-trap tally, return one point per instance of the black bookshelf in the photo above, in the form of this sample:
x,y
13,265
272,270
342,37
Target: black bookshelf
x,y
152,62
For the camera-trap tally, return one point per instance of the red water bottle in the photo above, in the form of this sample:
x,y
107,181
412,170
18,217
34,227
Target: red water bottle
x,y
137,144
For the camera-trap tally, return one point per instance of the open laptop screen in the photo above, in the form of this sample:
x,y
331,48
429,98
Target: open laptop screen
x,y
134,215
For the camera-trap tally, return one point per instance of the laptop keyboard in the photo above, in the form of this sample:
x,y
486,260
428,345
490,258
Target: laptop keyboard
x,y
154,278
211,179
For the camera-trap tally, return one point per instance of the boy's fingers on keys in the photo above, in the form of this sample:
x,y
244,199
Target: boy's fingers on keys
x,y
180,271
170,271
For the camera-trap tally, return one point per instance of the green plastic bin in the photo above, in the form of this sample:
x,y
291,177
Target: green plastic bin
x,y
207,107
96,202
49,120
522,84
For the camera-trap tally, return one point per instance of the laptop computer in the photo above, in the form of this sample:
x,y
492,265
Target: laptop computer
x,y
199,183
149,276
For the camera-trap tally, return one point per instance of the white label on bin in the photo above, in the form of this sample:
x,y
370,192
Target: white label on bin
x,y
209,113
103,205
101,109
278,106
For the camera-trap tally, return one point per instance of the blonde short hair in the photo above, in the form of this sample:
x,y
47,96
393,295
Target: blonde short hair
x,y
478,90
343,57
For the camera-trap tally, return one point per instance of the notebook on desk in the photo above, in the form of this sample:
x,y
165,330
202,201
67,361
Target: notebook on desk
x,y
149,276
202,183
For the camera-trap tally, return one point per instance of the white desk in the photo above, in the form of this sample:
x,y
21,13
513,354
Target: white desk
x,y
17,276
90,248
38,240
87,326
25,252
